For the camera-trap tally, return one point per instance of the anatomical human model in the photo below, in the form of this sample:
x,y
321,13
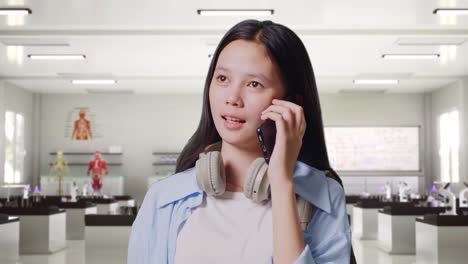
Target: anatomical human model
x,y
58,169
96,167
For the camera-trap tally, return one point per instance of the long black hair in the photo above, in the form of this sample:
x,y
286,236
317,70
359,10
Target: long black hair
x,y
286,50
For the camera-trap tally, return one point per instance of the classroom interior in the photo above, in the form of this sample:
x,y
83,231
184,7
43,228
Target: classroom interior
x,y
395,127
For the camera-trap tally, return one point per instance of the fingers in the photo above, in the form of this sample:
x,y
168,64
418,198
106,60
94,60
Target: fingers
x,y
297,109
292,113
285,113
280,122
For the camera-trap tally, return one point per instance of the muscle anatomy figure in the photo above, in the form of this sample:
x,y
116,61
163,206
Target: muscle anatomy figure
x,y
96,167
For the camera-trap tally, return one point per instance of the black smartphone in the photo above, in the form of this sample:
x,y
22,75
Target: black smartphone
x,y
266,134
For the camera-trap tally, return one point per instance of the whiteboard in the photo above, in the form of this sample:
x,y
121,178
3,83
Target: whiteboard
x,y
373,148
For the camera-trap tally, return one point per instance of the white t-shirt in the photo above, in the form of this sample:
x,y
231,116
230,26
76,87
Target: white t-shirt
x,y
226,229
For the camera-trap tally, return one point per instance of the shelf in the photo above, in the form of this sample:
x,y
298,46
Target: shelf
x,y
85,176
166,153
166,159
85,153
86,164
159,176
162,163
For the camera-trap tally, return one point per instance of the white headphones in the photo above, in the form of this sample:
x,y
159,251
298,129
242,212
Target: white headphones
x,y
211,178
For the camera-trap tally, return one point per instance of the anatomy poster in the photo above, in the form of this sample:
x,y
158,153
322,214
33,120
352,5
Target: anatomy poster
x,y
81,125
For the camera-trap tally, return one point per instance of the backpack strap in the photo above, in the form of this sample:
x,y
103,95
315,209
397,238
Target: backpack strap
x,y
305,211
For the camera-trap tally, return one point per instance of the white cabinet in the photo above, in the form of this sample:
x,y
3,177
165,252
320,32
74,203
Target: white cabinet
x,y
374,184
111,184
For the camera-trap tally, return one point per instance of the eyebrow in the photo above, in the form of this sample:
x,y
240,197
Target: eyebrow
x,y
258,75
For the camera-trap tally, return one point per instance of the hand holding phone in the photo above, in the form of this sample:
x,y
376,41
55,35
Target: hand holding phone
x,y
266,134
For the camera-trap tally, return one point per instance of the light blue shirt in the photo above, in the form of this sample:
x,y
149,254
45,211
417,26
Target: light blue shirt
x,y
169,202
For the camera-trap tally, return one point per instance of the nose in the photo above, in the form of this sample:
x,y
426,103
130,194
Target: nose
x,y
233,96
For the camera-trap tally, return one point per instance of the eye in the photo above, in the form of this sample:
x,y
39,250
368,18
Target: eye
x,y
256,84
221,78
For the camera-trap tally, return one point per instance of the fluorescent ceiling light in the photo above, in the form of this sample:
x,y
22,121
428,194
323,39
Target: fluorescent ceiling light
x,y
235,12
56,57
375,81
410,56
97,81
451,11
15,11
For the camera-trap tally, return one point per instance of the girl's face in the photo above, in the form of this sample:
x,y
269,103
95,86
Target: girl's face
x,y
244,83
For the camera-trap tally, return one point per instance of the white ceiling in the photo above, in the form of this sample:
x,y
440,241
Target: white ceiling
x,y
154,46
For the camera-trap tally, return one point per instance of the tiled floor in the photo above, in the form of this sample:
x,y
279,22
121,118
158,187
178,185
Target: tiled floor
x,y
75,253
366,253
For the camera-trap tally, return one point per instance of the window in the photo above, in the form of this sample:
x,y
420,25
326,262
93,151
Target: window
x,y
14,147
449,146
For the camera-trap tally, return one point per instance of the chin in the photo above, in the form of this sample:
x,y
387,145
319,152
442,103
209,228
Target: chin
x,y
232,138
240,140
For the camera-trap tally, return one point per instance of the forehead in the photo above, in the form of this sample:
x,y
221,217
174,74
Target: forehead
x,y
246,57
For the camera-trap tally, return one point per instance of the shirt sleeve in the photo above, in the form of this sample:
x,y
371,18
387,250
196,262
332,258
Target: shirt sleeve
x,y
138,244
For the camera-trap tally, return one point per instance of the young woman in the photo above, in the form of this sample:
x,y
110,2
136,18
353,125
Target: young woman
x,y
224,205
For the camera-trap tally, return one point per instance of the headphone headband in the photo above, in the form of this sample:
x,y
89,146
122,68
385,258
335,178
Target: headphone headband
x,y
213,147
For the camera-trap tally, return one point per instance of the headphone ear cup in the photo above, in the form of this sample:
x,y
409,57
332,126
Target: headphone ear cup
x,y
209,169
256,184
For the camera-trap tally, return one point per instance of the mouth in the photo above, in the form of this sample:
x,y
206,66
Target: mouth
x,y
233,119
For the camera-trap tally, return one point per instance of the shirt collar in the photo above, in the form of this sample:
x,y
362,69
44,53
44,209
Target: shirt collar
x,y
312,185
178,186
309,183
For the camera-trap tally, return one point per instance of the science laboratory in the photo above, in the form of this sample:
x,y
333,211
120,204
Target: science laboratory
x,y
146,131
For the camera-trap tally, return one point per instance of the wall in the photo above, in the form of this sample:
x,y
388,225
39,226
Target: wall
x,y
443,100
379,110
2,130
13,98
464,131
142,124
372,109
